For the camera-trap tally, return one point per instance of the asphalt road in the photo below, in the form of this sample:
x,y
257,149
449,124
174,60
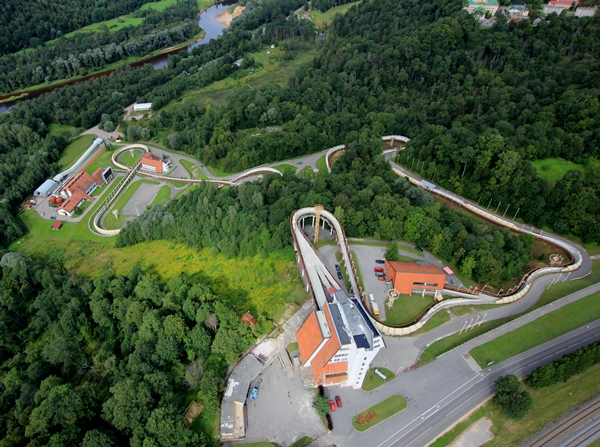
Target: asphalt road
x,y
440,393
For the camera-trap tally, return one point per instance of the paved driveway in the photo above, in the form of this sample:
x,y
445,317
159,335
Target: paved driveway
x,y
140,199
283,411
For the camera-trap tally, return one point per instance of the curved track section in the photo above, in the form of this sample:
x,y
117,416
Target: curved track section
x,y
119,151
575,263
254,171
313,269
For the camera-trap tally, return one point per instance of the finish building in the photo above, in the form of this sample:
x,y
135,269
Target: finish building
x,y
409,276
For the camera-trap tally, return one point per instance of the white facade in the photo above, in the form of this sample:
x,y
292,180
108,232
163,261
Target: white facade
x,y
142,107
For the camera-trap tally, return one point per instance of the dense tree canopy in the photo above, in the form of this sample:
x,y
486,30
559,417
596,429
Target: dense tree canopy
x,y
367,198
106,363
25,24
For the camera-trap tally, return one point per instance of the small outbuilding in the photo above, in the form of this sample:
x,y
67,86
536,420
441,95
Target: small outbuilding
x,y
46,188
56,225
142,107
249,319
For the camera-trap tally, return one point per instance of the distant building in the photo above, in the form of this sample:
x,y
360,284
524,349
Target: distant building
x,y
549,9
563,3
142,107
481,7
586,12
410,276
56,225
518,12
79,189
151,162
339,341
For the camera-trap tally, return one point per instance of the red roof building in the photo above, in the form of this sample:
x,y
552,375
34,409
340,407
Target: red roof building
x,y
249,319
408,276
78,190
56,225
154,163
563,3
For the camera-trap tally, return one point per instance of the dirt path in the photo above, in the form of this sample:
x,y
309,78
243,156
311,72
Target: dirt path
x,y
226,17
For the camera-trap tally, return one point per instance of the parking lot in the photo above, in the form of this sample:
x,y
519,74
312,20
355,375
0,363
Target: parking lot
x,y
140,199
364,258
283,411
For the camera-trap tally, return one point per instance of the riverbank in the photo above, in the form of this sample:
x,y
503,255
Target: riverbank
x,y
226,17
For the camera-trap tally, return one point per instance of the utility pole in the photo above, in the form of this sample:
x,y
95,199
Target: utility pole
x,y
515,216
498,207
490,203
507,207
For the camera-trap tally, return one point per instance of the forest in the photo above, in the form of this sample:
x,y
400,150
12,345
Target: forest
x,y
29,24
368,199
110,362
67,57
480,105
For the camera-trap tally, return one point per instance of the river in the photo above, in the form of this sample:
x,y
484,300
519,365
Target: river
x,y
207,21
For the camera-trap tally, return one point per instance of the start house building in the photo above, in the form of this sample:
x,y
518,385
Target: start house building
x,y
339,341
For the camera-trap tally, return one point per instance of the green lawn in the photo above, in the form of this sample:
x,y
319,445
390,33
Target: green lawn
x,y
286,167
104,160
543,329
61,130
322,19
131,157
194,170
379,412
216,172
438,319
159,6
274,71
548,405
322,164
554,168
406,308
161,197
446,344
75,150
110,222
373,381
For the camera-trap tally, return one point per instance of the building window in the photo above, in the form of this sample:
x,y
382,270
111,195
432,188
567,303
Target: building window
x,y
425,284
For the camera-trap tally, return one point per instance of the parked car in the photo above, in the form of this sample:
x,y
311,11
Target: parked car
x,y
338,401
418,248
337,267
381,278
379,261
380,274
332,405
340,275
378,269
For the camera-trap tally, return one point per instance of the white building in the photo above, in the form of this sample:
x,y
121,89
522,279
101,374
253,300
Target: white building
x,y
142,107
339,341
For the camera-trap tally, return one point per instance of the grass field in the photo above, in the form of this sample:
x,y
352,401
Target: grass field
x,y
161,197
446,344
373,381
285,167
75,150
548,404
104,160
380,412
554,168
322,19
194,170
438,319
322,165
543,329
109,221
131,157
406,308
61,130
274,71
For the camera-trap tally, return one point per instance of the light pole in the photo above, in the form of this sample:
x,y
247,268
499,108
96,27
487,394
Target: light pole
x,y
515,216
507,207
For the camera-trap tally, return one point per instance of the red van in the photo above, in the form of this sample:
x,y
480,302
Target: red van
x,y
378,269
